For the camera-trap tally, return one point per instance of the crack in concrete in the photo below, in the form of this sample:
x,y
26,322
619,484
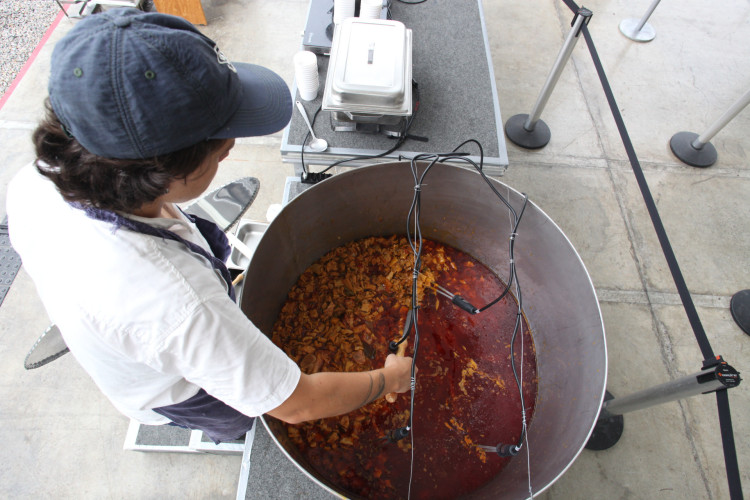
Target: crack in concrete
x,y
652,299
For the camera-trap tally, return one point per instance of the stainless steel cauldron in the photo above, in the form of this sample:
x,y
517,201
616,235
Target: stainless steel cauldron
x,y
459,209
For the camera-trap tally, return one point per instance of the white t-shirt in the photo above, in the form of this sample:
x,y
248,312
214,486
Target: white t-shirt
x,y
149,320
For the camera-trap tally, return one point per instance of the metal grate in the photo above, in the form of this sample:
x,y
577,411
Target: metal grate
x,y
10,262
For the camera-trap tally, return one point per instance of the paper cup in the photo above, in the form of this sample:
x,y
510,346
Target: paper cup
x,y
307,94
306,74
370,9
342,9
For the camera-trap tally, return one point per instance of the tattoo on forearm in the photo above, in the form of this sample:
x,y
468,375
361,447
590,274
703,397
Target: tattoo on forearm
x,y
369,391
381,389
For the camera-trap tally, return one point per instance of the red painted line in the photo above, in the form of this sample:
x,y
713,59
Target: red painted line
x,y
33,55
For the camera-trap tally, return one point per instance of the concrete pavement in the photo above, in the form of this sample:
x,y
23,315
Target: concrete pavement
x,y
63,439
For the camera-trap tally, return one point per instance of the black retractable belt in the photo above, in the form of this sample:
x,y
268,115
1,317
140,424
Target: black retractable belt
x,y
725,419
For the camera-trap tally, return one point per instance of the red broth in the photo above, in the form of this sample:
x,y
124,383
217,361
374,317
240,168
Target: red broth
x,y
341,316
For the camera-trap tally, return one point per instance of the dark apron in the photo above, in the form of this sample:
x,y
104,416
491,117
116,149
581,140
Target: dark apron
x,y
202,412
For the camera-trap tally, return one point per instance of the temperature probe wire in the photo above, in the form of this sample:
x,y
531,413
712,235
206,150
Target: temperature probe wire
x,y
416,243
304,141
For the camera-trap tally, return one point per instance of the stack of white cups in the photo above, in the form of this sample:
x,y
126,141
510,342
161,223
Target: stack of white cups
x,y
306,74
342,9
370,9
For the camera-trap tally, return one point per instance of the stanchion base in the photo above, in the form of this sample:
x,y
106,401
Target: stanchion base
x,y
682,146
537,138
628,26
740,307
607,431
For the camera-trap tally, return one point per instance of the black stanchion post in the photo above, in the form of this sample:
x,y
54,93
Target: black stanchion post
x,y
639,30
715,375
696,150
529,131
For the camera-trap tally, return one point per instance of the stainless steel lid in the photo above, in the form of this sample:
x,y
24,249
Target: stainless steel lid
x,y
370,68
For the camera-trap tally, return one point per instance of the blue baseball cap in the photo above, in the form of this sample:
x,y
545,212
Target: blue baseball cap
x,y
129,84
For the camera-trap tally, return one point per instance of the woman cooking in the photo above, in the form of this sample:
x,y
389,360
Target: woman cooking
x,y
142,109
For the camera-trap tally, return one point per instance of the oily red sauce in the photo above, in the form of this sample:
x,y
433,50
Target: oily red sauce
x,y
341,316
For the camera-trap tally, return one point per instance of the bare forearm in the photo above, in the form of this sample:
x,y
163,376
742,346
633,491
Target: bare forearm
x,y
328,394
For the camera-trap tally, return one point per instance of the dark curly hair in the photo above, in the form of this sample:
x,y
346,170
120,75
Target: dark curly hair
x,y
111,184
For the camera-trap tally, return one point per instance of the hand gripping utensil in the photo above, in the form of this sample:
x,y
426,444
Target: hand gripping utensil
x,y
391,396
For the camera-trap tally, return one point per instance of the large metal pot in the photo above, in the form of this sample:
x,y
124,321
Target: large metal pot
x,y
459,209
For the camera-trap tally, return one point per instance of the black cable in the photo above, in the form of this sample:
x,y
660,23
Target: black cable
x,y
481,150
454,155
304,141
415,242
399,143
406,125
518,325
511,278
389,4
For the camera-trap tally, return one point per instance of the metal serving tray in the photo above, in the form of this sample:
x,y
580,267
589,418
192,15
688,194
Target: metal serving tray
x,y
370,69
250,233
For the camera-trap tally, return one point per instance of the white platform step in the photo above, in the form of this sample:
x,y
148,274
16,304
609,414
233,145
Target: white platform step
x,y
171,439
